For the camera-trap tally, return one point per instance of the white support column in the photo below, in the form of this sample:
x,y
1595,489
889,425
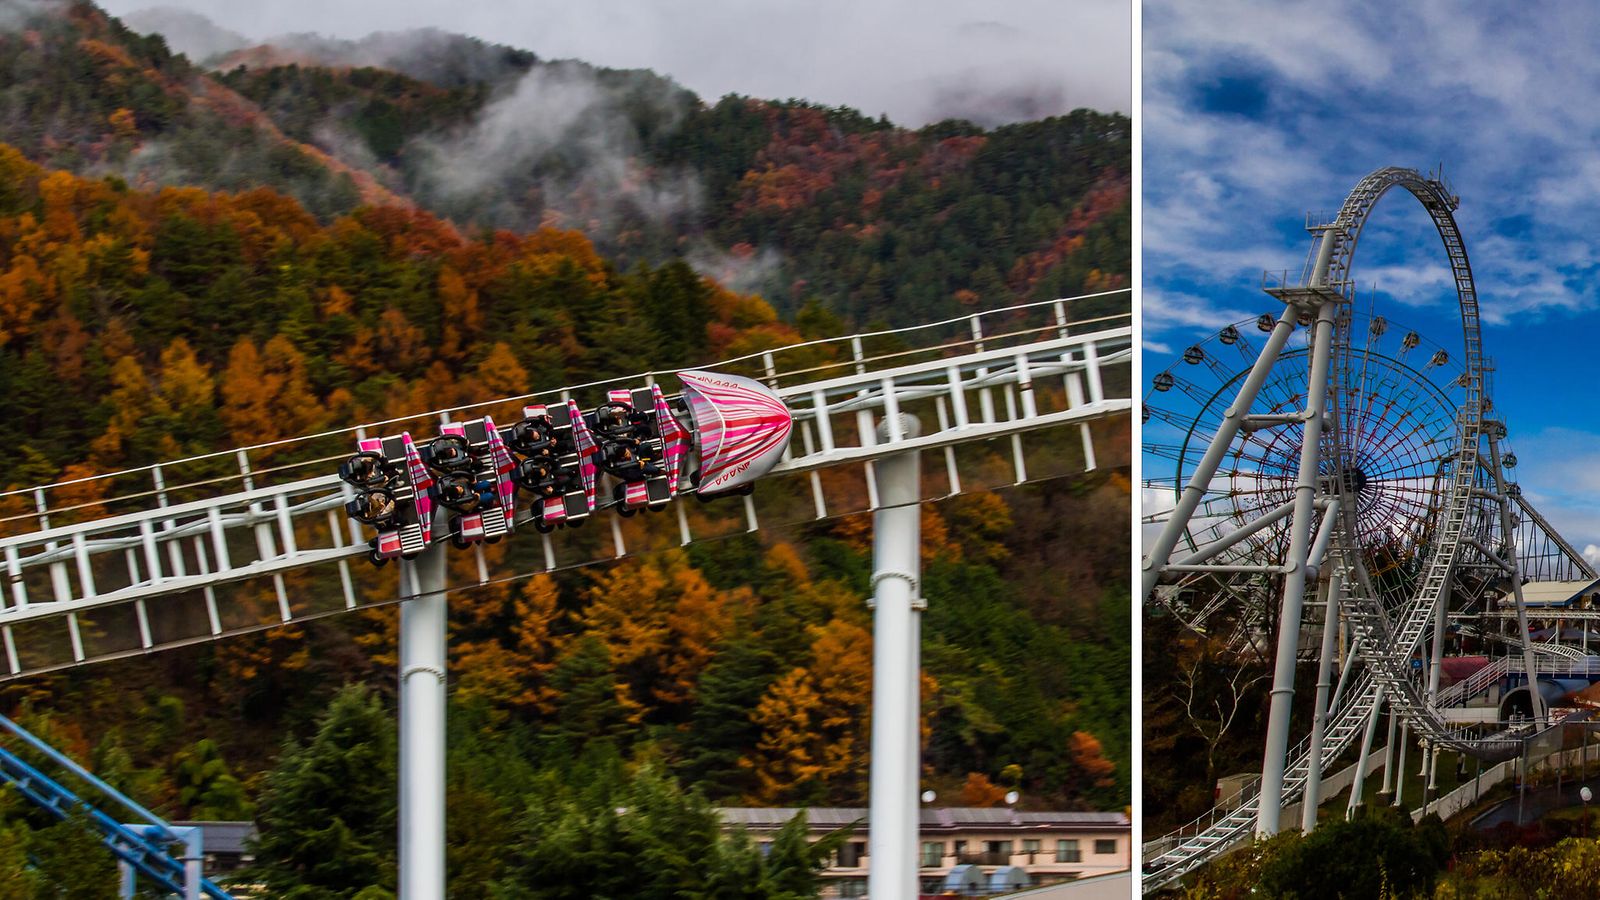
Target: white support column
x,y
1400,765
193,860
423,629
1535,699
1389,765
1319,716
1435,668
896,759
1274,758
1359,785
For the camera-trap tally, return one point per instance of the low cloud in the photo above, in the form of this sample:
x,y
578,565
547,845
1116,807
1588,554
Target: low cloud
x,y
186,32
916,62
561,141
744,271
18,14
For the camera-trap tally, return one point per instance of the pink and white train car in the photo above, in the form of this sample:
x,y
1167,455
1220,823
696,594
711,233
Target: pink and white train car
x,y
740,429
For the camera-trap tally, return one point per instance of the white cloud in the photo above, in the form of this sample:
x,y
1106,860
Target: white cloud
x,y
746,273
1501,97
563,111
1163,310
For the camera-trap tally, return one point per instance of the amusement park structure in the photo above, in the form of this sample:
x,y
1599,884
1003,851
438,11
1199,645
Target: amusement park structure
x,y
224,544
1351,490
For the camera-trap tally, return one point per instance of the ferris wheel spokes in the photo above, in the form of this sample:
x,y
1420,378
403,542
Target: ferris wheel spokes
x,y
1199,483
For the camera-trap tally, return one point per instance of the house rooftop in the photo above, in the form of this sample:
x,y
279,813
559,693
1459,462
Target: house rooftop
x,y
932,819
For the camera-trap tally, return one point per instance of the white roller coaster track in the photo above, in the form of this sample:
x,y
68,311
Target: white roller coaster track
x,y
164,570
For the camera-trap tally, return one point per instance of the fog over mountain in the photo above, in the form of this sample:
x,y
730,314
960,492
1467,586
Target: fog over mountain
x,y
915,61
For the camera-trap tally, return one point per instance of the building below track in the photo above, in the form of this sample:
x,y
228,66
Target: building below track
x,y
971,851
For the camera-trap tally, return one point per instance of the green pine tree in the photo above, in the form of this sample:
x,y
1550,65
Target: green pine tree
x,y
327,817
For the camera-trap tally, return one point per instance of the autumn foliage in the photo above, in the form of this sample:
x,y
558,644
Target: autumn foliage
x,y
143,320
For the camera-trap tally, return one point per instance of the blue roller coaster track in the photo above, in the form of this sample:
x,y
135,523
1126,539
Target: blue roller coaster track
x,y
149,848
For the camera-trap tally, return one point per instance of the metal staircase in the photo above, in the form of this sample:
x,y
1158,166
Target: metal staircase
x,y
1202,840
1474,684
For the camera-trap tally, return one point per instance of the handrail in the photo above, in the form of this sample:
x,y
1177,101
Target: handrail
x,y
1475,683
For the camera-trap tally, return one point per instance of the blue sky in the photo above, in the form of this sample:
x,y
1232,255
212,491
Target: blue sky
x,y
1256,113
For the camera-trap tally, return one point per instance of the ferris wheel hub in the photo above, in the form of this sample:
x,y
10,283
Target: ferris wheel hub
x,y
1355,480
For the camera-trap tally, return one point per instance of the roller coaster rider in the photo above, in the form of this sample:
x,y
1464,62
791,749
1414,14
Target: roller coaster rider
x,y
462,494
621,429
534,437
543,476
620,421
376,508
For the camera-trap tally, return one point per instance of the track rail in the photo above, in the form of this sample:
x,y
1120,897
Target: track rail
x,y
148,846
170,574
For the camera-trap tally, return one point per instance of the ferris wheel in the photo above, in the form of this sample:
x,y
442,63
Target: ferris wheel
x,y
1327,460
1396,420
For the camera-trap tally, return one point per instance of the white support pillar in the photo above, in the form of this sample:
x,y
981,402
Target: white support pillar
x,y
194,858
896,601
423,628
1430,789
1389,765
1359,785
1507,530
1274,758
1331,589
1400,766
1435,669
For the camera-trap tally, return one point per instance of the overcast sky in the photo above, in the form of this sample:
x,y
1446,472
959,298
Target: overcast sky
x,y
915,60
1255,113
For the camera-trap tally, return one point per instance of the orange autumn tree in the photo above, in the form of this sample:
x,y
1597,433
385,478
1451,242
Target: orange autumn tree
x,y
1089,759
814,721
24,290
505,644
978,790
659,620
462,320
265,393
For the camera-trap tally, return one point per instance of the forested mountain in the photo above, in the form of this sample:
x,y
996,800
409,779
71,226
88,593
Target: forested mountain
x,y
788,198
189,262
